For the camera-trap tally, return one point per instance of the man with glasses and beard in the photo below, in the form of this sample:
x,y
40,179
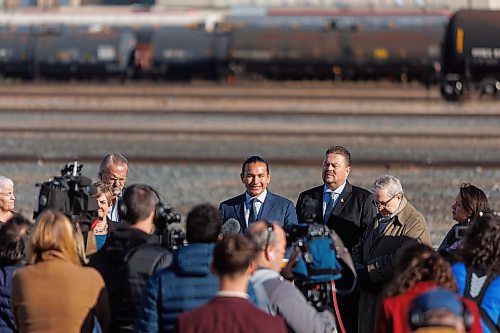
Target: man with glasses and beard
x,y
113,172
275,295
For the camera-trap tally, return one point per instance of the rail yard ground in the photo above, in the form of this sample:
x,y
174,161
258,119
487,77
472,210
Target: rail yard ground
x,y
188,140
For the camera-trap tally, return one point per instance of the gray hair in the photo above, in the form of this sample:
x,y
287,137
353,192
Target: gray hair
x,y
259,235
111,159
4,181
389,183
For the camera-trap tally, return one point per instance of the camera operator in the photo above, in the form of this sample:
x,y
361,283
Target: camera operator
x,y
276,295
188,283
131,255
113,172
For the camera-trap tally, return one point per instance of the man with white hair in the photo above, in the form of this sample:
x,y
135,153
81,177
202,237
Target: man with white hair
x,y
397,225
7,199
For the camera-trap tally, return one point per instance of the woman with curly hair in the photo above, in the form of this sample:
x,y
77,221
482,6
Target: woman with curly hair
x,y
469,203
55,293
478,274
420,269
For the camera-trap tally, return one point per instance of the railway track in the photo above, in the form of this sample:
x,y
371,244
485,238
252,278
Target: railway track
x,y
317,90
214,125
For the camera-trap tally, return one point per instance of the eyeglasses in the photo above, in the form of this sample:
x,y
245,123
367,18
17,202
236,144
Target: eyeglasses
x,y
270,229
383,203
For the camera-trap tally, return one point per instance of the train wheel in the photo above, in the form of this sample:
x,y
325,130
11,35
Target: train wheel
x,y
449,92
489,87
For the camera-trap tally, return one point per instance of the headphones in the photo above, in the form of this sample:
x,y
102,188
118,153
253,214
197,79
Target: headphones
x,y
123,211
417,320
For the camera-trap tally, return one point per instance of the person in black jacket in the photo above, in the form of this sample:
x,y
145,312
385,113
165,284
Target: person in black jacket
x,y
14,237
345,208
130,256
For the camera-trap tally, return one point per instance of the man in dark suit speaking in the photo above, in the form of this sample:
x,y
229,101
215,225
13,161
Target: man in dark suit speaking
x,y
257,203
345,208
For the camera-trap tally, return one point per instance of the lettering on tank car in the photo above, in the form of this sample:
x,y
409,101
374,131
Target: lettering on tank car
x,y
496,53
106,53
482,53
176,54
252,54
5,54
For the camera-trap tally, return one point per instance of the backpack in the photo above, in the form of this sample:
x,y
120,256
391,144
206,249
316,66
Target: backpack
x,y
475,289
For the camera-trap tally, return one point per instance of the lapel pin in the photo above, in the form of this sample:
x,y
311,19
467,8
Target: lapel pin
x,y
341,199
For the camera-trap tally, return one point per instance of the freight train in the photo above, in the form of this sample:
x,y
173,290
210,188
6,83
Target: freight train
x,y
271,43
471,57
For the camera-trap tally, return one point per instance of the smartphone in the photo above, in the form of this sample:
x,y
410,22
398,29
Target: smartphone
x,y
460,232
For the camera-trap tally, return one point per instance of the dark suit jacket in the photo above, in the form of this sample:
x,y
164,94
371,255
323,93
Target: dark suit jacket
x,y
229,314
352,213
274,209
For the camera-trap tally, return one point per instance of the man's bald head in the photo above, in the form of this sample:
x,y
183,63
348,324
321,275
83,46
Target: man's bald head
x,y
270,241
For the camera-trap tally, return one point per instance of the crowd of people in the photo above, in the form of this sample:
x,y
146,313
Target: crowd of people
x,y
118,276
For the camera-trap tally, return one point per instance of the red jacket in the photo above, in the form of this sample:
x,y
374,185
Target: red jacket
x,y
229,314
393,314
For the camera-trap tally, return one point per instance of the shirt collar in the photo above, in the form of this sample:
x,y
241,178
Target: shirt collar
x,y
261,197
232,294
339,189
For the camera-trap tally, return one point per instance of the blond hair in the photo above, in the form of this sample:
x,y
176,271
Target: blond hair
x,y
53,231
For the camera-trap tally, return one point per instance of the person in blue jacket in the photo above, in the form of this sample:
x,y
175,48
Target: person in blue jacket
x,y
188,282
478,274
14,237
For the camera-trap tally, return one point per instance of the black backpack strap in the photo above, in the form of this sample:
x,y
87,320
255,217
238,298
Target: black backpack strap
x,y
493,327
346,261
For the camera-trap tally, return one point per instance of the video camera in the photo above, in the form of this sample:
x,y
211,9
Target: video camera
x,y
71,194
322,259
167,224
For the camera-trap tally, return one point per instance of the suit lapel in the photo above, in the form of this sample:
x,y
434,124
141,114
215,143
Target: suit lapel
x,y
342,200
240,212
267,205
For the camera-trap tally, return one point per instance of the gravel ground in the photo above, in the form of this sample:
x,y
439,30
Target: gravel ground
x,y
431,190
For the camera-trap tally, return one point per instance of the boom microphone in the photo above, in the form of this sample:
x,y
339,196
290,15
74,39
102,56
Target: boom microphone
x,y
230,227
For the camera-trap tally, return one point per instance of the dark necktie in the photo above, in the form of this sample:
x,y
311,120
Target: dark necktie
x,y
252,216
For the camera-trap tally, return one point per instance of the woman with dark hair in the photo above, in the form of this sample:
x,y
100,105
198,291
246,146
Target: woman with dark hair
x,y
14,237
478,274
55,293
469,203
419,270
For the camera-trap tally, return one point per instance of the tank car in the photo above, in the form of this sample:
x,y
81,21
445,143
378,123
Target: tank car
x,y
338,44
17,51
189,52
471,56
97,54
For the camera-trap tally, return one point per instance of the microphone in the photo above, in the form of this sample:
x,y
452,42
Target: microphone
x,y
230,227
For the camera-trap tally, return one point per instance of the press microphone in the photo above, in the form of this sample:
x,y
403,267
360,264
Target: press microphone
x,y
230,227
